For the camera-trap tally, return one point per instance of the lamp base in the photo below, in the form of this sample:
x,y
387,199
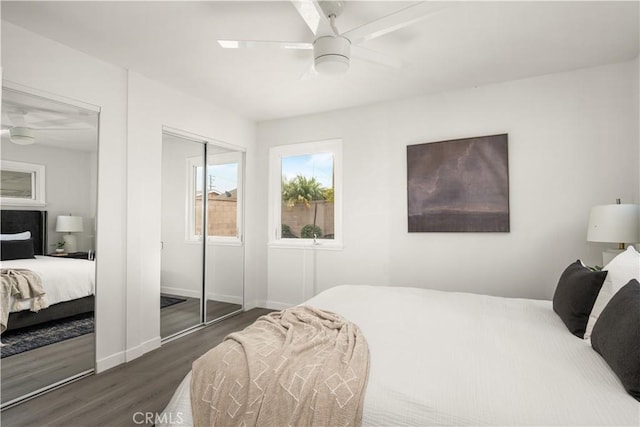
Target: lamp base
x,y
610,254
70,243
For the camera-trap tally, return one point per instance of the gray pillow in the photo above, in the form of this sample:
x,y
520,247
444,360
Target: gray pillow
x,y
616,336
575,295
16,249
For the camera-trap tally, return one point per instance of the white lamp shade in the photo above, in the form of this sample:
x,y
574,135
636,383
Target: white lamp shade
x,y
69,224
614,224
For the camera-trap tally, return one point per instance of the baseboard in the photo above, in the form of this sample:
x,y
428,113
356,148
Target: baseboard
x,y
180,292
275,305
139,350
248,305
231,299
110,362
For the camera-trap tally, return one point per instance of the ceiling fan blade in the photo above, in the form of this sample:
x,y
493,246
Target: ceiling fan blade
x,y
375,57
16,119
238,44
393,22
313,16
62,122
45,130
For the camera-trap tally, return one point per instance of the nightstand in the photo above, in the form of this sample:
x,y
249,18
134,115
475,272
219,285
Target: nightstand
x,y
77,255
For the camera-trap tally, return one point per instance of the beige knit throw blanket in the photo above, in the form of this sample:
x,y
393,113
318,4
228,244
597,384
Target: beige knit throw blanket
x,y
297,367
22,284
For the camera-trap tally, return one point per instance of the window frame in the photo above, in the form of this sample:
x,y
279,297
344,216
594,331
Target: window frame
x,y
38,184
193,163
276,153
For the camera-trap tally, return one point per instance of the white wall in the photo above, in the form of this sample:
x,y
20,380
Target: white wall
x,y
151,106
68,175
573,143
45,65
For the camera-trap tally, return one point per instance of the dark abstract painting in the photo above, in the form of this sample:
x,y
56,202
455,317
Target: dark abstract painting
x,y
459,185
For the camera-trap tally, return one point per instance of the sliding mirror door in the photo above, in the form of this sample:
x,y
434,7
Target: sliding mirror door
x,y
200,198
225,246
182,266
48,192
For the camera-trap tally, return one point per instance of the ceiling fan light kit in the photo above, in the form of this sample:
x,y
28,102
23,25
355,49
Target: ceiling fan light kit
x,y
21,136
331,54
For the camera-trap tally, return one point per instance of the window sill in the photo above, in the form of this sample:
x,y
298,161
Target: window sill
x,y
334,246
210,242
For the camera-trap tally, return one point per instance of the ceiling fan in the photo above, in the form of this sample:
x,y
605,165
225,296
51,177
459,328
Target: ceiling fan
x,y
332,50
22,133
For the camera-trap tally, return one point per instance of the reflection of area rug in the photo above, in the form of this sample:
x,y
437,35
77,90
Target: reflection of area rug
x,y
26,339
167,301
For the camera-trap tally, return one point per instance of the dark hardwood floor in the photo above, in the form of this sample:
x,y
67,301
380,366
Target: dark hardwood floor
x,y
143,385
178,317
38,368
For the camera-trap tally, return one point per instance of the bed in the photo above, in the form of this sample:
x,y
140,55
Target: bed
x,y
446,358
69,283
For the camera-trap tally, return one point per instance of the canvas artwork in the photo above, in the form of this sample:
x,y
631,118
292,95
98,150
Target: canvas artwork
x,y
459,185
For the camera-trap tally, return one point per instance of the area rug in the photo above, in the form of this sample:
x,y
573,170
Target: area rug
x,y
168,301
25,339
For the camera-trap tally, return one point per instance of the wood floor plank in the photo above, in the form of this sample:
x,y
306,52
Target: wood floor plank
x,y
143,385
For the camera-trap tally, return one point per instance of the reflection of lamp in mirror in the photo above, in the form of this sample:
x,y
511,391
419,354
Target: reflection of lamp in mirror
x,y
617,223
69,224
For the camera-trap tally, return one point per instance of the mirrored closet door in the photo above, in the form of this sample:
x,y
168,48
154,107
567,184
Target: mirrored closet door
x,y
182,263
202,232
225,220
48,193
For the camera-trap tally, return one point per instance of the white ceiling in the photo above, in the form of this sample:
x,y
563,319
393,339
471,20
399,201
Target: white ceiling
x,y
464,44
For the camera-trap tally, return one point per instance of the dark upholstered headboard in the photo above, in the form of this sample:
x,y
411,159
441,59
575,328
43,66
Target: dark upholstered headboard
x,y
35,221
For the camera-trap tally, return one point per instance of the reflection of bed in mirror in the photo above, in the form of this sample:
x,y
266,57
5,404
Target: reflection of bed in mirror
x,y
68,283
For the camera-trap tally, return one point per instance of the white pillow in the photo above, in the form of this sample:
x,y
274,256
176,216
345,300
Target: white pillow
x,y
621,269
16,236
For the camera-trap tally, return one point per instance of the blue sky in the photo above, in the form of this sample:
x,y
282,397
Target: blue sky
x,y
225,177
319,166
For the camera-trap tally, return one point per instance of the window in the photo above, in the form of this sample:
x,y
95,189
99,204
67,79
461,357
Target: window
x,y
305,194
22,184
224,197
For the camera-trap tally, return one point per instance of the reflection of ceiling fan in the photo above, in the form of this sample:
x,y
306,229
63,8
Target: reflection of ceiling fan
x,y
20,135
332,50
23,126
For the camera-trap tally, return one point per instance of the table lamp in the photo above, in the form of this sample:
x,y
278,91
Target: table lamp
x,y
618,223
69,224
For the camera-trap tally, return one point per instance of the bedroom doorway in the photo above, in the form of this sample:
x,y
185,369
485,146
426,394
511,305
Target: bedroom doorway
x,y
48,192
202,232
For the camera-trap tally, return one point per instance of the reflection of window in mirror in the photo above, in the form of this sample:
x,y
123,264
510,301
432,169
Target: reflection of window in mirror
x,y
16,184
22,183
224,197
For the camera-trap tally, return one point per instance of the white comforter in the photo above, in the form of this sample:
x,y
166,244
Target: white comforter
x,y
479,360
63,279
